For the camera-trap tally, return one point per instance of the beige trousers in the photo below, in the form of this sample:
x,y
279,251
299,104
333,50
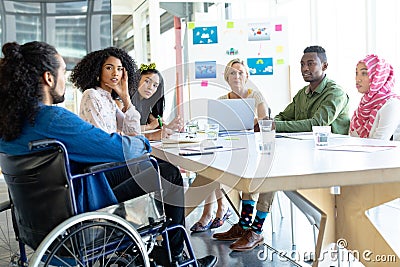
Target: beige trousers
x,y
264,200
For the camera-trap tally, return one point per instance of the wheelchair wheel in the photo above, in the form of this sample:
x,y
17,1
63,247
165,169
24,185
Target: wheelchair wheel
x,y
92,239
9,247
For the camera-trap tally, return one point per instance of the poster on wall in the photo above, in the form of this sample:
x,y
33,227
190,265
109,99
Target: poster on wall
x,y
259,32
261,43
205,69
205,35
260,66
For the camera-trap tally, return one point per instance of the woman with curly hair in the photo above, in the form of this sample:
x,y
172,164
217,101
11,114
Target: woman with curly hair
x,y
104,76
99,75
149,100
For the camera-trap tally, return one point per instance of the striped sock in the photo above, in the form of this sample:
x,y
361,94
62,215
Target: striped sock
x,y
259,221
247,213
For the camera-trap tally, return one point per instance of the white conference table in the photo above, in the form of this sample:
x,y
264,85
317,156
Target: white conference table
x,y
367,179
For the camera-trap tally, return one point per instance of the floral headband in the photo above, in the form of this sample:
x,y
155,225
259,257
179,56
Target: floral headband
x,y
144,67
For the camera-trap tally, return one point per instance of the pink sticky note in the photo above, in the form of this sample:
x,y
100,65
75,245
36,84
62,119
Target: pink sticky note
x,y
204,83
278,27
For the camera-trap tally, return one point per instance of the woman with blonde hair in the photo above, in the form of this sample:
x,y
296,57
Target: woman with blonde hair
x,y
236,75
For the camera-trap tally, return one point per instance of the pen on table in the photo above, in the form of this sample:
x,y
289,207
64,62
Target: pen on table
x,y
286,136
212,147
195,153
159,121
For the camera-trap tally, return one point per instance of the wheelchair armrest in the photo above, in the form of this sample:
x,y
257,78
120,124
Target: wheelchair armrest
x,y
44,143
114,165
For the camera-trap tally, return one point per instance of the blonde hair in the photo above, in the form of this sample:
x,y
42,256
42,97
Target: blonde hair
x,y
228,67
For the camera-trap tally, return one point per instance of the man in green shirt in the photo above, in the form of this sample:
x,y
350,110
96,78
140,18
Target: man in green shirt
x,y
322,102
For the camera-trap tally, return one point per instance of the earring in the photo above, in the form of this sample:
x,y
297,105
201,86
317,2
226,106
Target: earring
x,y
97,79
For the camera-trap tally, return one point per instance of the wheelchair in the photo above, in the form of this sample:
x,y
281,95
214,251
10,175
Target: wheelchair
x,y
50,231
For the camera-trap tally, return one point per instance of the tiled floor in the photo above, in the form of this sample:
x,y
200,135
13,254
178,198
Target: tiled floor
x,y
281,240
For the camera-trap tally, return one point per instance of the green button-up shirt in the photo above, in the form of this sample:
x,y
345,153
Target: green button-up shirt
x,y
327,105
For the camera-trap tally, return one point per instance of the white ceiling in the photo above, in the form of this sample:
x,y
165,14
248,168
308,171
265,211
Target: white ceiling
x,y
124,7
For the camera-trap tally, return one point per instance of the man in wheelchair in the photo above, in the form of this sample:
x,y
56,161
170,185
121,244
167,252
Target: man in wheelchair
x,y
32,80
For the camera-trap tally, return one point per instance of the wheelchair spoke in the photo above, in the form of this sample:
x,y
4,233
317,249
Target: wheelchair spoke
x,y
95,243
9,248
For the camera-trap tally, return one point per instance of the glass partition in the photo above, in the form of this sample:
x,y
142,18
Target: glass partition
x,y
73,27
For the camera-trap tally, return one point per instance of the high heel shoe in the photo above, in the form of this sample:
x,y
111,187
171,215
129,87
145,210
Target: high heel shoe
x,y
199,227
218,222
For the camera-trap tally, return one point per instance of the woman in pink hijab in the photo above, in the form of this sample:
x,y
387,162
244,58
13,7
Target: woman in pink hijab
x,y
378,113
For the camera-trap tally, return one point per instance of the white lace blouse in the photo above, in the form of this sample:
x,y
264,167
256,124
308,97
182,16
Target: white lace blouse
x,y
98,108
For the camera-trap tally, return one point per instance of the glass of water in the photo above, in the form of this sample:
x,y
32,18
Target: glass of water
x,y
321,135
212,130
192,127
266,138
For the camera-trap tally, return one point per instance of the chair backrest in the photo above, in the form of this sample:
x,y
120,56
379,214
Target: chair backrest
x,y
39,190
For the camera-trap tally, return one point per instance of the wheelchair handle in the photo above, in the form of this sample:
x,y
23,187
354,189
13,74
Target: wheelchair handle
x,y
44,143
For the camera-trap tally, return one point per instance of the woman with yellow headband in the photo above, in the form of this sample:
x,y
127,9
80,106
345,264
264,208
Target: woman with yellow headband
x,y
149,100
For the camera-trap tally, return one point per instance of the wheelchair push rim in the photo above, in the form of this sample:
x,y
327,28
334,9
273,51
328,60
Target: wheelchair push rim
x,y
115,241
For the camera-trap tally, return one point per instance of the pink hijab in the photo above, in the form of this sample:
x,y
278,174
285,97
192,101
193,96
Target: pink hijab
x,y
381,79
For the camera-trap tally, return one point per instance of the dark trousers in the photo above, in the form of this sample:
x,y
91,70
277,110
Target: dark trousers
x,y
135,181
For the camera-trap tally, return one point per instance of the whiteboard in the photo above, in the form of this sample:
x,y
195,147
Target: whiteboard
x,y
261,43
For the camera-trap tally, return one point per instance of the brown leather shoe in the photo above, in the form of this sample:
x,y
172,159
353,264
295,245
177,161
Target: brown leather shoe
x,y
232,234
248,241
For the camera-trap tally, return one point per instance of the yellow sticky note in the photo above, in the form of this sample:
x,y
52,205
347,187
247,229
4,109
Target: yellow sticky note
x,y
280,61
230,25
279,49
191,25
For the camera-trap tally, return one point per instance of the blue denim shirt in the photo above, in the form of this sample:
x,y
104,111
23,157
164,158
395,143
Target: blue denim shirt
x,y
85,144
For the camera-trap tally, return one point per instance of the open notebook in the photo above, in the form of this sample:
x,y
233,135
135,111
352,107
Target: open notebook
x,y
180,138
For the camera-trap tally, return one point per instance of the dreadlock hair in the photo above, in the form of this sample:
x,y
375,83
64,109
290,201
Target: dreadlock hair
x,y
21,84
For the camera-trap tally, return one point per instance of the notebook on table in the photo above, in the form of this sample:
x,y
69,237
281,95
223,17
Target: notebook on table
x,y
232,114
180,138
